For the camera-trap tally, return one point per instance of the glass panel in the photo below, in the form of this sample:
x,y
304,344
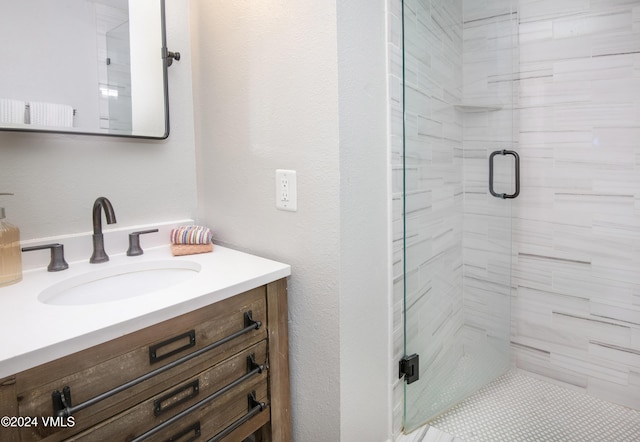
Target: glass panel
x,y
458,64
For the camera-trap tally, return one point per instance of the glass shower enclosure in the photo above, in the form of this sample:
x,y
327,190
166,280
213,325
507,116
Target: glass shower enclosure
x,y
460,178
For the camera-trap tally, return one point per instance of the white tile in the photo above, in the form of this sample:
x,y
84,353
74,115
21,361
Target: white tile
x,y
620,312
538,9
621,355
516,407
615,44
581,25
626,395
536,30
594,68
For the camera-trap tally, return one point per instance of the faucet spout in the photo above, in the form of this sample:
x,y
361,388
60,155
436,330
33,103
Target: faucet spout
x,y
101,204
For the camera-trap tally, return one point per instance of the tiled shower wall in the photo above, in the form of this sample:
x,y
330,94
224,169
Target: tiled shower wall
x,y
576,224
489,97
576,313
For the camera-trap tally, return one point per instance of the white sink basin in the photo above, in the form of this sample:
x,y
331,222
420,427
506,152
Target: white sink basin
x,y
119,282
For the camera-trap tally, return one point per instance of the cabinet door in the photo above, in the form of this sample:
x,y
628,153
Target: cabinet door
x,y
99,369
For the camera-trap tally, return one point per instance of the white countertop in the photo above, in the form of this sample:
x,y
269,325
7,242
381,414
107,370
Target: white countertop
x,y
33,333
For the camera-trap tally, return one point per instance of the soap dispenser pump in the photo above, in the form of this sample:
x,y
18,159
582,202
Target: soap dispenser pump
x,y
10,257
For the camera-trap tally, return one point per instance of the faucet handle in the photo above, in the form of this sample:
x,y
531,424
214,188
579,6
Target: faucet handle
x,y
57,262
134,242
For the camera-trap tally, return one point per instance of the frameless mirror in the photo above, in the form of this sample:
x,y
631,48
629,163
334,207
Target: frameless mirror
x,y
94,67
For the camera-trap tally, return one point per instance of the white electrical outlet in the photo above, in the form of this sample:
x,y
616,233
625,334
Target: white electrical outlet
x,y
286,190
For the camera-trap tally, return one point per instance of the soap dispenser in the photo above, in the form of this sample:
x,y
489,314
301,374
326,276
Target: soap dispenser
x,y
10,257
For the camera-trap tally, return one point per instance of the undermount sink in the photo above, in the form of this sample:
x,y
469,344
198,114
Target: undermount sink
x,y
119,282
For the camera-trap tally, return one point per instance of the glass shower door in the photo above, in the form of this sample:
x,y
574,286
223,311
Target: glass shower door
x,y
458,124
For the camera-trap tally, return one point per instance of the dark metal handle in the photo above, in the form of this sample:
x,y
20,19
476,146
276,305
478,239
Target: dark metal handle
x,y
255,407
57,262
252,369
153,349
176,397
170,56
134,242
517,173
196,433
63,408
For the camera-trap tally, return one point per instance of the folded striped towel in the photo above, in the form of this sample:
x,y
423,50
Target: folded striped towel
x,y
191,235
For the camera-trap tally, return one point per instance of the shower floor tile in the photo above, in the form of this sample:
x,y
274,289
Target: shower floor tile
x,y
516,407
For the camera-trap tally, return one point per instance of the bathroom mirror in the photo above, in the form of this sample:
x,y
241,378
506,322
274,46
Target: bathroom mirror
x,y
94,67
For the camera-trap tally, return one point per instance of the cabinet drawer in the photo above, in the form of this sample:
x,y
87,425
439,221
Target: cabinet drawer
x,y
211,387
204,423
215,418
107,366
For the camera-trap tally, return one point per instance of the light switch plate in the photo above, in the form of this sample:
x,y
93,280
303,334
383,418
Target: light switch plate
x,y
286,190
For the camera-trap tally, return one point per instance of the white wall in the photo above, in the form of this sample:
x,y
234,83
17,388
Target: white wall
x,y
278,87
56,178
365,300
266,85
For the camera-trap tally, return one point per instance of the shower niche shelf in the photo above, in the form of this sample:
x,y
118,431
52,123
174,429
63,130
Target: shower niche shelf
x,y
476,108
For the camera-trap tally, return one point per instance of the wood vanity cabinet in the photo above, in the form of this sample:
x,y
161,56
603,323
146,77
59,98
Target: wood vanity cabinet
x,y
211,374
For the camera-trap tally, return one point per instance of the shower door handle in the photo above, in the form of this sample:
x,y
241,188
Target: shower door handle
x,y
516,157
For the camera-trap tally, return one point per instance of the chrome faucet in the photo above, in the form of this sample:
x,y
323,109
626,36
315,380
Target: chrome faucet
x,y
99,255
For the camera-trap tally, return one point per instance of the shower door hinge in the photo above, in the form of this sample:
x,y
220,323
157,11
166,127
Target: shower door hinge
x,y
410,368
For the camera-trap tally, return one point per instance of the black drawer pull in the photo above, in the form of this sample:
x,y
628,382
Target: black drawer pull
x,y
252,369
153,349
176,397
196,433
255,407
63,408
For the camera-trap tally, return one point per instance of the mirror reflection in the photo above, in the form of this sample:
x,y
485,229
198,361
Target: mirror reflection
x,y
84,66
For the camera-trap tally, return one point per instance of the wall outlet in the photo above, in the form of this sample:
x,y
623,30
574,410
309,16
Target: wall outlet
x,y
286,190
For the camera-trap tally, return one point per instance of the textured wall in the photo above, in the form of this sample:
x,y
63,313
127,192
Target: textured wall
x,y
262,105
365,316
300,85
577,223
